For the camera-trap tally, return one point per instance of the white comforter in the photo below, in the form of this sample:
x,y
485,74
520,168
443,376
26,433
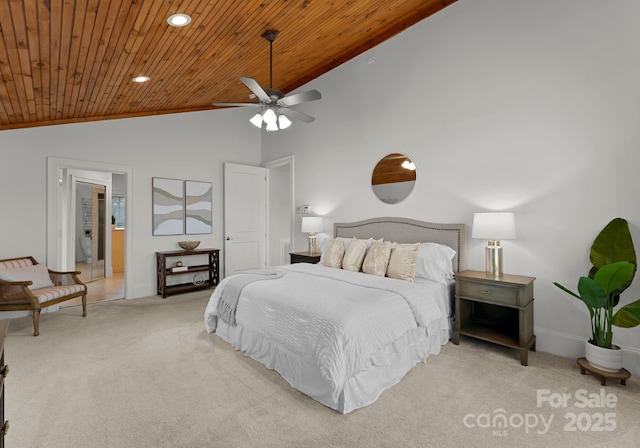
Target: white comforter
x,y
339,319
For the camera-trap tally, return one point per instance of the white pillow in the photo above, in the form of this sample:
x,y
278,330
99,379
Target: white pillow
x,y
435,262
334,252
377,259
321,241
354,255
38,274
402,262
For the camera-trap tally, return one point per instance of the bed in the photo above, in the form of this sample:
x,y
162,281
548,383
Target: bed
x,y
338,336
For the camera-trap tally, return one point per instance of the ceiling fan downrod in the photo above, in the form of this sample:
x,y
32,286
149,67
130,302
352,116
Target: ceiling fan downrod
x,y
270,35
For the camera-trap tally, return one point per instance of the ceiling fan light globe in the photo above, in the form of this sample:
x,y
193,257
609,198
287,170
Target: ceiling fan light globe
x,y
269,116
284,122
256,120
272,126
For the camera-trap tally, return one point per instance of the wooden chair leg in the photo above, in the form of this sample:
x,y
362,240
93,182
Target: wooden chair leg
x,y
84,305
36,322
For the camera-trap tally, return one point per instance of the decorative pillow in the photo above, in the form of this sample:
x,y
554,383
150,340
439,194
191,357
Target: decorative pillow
x,y
346,242
402,262
38,274
434,262
354,255
377,258
333,253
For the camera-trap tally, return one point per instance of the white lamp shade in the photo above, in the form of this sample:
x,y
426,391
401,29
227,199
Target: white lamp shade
x,y
256,120
284,122
494,226
269,116
312,224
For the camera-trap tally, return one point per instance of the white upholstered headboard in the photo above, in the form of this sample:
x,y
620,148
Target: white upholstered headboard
x,y
405,230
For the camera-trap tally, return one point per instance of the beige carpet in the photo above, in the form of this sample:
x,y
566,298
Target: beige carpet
x,y
144,373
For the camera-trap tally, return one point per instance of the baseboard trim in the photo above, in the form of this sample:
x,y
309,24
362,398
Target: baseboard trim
x,y
572,346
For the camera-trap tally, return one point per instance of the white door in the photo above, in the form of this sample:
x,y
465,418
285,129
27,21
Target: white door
x,y
244,218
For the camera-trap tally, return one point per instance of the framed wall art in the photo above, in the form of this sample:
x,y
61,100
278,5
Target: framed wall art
x,y
168,206
197,207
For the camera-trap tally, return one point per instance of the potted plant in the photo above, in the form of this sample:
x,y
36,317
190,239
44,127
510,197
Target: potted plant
x,y
614,266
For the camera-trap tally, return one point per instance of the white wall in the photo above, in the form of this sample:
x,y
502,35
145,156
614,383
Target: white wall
x,y
190,146
512,105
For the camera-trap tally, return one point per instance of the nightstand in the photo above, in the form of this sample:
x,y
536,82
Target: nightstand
x,y
304,257
498,310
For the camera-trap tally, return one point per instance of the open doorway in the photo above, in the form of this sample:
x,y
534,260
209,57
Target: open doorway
x,y
280,210
97,245
64,226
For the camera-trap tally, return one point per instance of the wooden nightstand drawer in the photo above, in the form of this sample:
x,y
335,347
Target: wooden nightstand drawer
x,y
488,292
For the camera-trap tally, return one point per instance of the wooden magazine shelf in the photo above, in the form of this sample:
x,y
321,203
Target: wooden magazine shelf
x,y
196,277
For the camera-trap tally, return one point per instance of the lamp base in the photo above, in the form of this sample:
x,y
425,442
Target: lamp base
x,y
312,243
493,258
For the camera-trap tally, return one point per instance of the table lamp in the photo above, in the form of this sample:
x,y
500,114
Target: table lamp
x,y
493,227
311,225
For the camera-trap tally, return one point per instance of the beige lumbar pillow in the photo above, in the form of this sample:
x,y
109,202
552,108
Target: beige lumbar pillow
x,y
354,255
402,262
37,273
377,259
333,253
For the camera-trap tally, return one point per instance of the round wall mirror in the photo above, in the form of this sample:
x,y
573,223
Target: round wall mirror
x,y
393,178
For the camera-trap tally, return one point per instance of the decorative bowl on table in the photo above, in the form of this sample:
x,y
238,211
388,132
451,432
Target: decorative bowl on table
x,y
188,245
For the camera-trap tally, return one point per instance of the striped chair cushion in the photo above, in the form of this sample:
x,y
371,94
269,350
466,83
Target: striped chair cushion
x,y
19,263
54,292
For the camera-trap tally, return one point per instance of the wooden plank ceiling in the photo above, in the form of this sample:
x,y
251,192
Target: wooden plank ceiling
x,y
66,61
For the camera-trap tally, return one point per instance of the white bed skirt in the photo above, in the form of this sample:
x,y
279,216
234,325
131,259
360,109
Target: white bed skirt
x,y
386,369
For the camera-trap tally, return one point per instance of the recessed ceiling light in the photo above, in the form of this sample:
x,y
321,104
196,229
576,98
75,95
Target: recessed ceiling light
x,y
179,20
141,78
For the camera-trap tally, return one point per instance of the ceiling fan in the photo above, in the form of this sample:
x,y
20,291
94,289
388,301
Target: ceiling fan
x,y
275,107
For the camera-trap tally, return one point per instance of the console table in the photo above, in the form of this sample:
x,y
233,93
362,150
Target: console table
x,y
194,277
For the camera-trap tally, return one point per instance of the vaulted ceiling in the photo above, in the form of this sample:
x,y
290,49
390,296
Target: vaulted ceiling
x,y
66,61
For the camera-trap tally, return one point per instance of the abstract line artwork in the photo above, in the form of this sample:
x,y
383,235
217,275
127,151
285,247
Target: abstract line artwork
x,y
168,206
198,207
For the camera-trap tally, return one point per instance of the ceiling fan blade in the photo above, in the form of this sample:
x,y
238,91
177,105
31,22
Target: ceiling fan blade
x,y
255,88
291,113
237,104
297,98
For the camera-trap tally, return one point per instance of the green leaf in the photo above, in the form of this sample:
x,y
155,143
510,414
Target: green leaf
x,y
567,290
628,316
613,276
613,244
592,293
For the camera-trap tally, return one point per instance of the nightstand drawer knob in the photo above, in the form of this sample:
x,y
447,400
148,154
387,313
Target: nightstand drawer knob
x,y
486,291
